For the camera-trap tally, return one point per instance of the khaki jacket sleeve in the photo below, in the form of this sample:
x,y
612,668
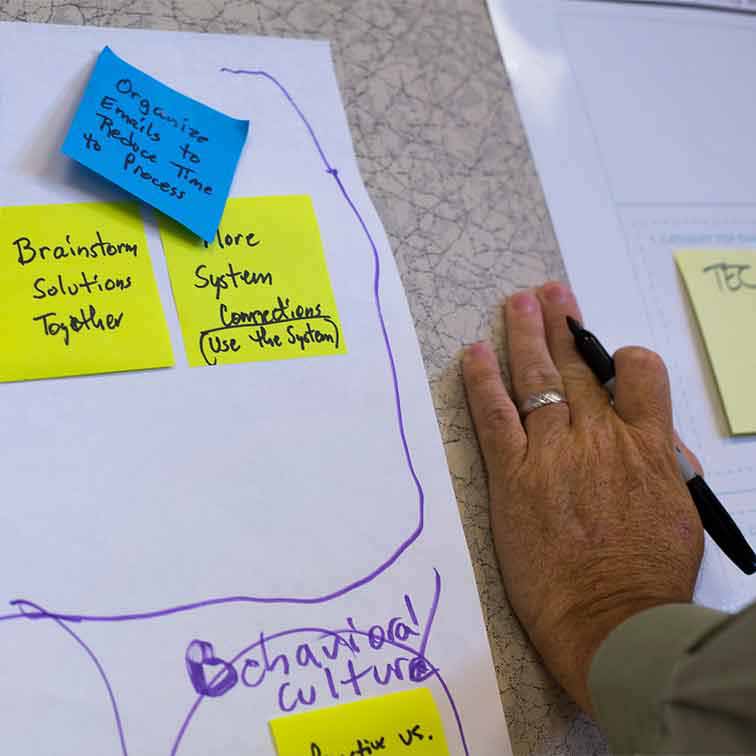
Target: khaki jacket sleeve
x,y
678,679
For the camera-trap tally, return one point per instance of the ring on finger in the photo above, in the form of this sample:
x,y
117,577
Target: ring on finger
x,y
541,399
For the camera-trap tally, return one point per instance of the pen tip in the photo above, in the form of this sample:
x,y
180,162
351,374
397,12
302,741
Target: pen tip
x,y
573,325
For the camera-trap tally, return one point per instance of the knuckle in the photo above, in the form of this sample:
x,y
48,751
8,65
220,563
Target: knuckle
x,y
496,415
640,358
477,377
482,383
576,372
552,421
537,375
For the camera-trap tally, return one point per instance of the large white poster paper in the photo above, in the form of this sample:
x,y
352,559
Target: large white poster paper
x,y
189,552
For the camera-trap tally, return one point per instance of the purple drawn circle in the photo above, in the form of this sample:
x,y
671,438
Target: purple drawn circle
x,y
410,539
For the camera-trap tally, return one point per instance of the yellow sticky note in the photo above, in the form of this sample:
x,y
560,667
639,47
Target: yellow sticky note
x,y
399,723
260,290
78,292
721,284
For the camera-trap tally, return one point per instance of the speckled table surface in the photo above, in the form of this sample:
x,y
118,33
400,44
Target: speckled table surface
x,y
444,156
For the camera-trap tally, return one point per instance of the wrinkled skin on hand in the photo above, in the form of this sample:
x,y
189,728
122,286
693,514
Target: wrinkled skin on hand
x,y
591,519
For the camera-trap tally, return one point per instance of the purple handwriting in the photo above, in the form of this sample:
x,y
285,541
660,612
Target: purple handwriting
x,y
339,660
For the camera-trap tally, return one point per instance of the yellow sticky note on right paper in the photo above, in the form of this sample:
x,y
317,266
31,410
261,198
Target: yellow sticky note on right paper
x,y
405,723
721,284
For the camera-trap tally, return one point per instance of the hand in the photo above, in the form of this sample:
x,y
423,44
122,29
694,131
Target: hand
x,y
591,519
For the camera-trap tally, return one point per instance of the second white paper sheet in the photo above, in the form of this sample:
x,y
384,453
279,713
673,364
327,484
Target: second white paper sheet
x,y
639,121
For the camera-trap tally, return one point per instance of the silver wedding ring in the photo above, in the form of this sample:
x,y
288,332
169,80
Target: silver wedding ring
x,y
543,399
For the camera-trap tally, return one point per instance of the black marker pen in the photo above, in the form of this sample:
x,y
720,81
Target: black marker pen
x,y
715,518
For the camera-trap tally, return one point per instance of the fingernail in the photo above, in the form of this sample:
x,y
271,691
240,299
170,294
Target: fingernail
x,y
523,302
556,293
475,350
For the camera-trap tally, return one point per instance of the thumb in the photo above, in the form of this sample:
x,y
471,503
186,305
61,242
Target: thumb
x,y
641,391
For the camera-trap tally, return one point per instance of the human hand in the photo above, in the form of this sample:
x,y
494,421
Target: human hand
x,y
591,519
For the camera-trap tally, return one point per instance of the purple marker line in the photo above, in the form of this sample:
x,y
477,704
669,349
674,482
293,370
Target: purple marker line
x,y
39,611
292,102
432,615
410,608
376,285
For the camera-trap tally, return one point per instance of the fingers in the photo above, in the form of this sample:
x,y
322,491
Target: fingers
x,y
496,420
581,387
641,394
530,364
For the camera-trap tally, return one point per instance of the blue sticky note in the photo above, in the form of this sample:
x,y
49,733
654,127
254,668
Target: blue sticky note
x,y
173,152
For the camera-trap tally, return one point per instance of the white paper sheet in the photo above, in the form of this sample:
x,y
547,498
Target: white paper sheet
x,y
741,6
266,503
639,119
